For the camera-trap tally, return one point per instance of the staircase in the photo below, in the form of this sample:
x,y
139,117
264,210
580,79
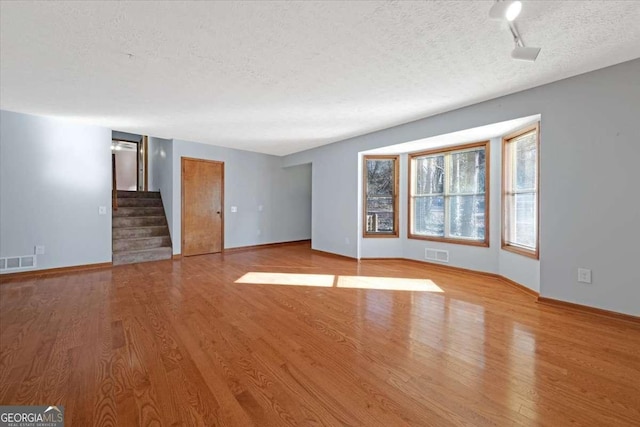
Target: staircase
x,y
140,231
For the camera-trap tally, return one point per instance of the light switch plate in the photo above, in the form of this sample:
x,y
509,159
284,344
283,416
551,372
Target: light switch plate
x,y
102,210
234,209
39,250
584,275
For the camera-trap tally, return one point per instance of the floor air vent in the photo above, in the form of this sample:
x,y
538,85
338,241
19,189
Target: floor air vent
x,y
436,255
17,262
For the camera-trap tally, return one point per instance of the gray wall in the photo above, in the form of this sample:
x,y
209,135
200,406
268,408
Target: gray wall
x,y
161,174
53,177
590,143
251,180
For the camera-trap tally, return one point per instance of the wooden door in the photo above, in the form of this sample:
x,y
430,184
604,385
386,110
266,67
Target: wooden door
x,y
202,206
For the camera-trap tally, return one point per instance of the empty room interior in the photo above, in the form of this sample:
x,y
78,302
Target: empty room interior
x,y
279,213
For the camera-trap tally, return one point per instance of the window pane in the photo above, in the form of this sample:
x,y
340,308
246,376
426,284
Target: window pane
x,y
429,175
466,217
380,196
467,172
525,162
380,214
524,224
448,194
428,216
380,177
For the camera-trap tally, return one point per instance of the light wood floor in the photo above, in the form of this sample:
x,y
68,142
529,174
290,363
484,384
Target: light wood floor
x,y
179,343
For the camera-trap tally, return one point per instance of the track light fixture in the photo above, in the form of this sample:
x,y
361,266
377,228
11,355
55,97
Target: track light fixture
x,y
510,10
522,52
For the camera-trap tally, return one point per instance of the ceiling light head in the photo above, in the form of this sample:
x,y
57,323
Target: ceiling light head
x,y
523,53
508,10
513,10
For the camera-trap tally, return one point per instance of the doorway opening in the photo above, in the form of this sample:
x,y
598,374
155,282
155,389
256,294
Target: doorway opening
x,y
140,231
124,157
129,161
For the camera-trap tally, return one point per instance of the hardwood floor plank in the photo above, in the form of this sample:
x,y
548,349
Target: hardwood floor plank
x,y
181,343
105,408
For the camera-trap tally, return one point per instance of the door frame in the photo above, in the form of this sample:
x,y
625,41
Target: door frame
x,y
182,162
142,148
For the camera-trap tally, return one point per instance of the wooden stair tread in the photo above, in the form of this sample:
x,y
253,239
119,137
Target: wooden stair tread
x,y
140,232
144,255
138,216
161,248
136,251
137,194
142,226
142,238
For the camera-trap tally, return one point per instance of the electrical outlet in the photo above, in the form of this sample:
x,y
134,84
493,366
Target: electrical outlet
x,y
260,208
584,275
346,241
39,250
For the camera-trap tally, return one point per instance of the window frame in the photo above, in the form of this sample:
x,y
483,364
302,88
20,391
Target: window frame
x,y
396,184
505,244
487,199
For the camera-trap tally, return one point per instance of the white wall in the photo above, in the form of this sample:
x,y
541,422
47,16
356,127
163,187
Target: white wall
x,y
251,180
161,174
587,218
53,177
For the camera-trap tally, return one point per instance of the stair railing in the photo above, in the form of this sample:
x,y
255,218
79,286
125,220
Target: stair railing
x,y
115,191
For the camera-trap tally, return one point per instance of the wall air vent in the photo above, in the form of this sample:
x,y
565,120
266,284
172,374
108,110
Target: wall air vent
x,y
17,262
436,255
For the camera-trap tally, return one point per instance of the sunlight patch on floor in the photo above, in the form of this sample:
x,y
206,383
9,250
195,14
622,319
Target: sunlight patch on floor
x,y
329,280
388,283
291,279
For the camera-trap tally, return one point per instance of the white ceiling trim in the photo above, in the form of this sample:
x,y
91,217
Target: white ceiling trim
x,y
466,136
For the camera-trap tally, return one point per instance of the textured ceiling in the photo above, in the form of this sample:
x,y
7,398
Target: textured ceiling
x,y
281,77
